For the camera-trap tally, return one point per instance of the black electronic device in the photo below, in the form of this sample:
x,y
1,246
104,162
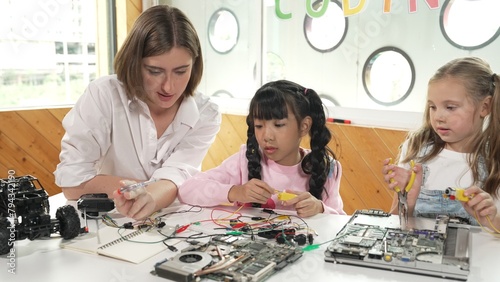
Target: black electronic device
x,y
25,213
94,203
229,258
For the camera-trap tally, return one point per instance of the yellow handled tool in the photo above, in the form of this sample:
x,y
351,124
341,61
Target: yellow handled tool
x,y
284,196
412,177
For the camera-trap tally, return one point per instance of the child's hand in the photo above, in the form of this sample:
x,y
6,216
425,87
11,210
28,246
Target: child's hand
x,y
480,205
398,176
305,204
136,204
254,191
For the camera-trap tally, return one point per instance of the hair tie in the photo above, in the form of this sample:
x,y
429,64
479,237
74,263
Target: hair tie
x,y
305,91
493,76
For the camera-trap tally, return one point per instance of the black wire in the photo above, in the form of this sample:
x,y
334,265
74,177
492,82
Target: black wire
x,y
200,209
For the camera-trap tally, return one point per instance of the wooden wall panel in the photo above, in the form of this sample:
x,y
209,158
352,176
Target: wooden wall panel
x,y
228,141
30,144
126,14
59,113
339,145
361,151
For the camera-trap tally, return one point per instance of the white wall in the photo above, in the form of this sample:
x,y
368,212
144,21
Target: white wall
x,y
337,73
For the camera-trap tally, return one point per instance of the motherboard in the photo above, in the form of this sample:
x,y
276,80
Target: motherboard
x,y
229,258
429,247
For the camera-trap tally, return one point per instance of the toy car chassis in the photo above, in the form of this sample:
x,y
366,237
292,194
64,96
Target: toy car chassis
x,y
25,213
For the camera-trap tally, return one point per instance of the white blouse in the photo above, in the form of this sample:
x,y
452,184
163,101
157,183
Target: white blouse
x,y
106,133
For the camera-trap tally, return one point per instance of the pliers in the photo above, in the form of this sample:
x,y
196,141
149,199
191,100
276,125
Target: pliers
x,y
403,193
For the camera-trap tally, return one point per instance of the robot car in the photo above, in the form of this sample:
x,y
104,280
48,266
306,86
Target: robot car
x,y
25,213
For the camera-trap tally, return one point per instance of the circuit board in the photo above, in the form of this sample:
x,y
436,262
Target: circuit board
x,y
429,247
229,258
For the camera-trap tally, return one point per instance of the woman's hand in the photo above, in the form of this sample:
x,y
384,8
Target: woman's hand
x,y
136,204
254,191
305,204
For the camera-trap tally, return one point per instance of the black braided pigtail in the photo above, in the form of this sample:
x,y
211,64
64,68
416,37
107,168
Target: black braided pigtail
x,y
273,101
252,154
318,162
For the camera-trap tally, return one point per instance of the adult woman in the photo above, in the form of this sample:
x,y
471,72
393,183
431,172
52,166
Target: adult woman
x,y
145,122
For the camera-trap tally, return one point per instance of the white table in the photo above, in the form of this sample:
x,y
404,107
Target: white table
x,y
44,260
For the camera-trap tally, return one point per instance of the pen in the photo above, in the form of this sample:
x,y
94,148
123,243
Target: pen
x,y
138,185
337,120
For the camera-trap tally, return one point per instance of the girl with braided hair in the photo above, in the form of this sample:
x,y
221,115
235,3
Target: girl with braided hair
x,y
281,113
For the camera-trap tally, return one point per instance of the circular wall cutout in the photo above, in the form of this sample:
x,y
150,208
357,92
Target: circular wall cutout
x,y
388,76
468,24
326,32
223,31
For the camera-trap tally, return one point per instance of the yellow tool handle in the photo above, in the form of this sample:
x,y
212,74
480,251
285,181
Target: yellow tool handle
x,y
412,177
285,196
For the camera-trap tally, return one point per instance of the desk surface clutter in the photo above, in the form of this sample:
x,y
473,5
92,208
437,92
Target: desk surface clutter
x,y
183,239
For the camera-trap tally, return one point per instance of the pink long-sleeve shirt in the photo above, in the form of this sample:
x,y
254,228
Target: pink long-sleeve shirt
x,y
210,188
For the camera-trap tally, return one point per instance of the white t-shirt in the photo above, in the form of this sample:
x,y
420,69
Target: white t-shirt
x,y
446,169
106,133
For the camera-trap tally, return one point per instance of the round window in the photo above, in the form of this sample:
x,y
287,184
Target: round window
x,y
222,93
275,69
388,76
328,101
325,32
223,31
470,24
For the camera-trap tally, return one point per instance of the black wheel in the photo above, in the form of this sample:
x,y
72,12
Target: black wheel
x,y
69,222
4,236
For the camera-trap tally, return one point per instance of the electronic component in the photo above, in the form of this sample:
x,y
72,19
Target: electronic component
x,y
228,258
273,233
92,204
183,266
301,239
430,247
456,194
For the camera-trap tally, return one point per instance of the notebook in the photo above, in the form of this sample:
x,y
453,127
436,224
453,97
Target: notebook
x,y
437,247
129,245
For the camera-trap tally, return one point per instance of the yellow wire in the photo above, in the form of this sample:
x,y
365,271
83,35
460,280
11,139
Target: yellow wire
x,y
235,212
491,224
496,233
219,220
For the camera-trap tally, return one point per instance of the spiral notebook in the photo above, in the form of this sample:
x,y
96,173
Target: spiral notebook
x,y
129,245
